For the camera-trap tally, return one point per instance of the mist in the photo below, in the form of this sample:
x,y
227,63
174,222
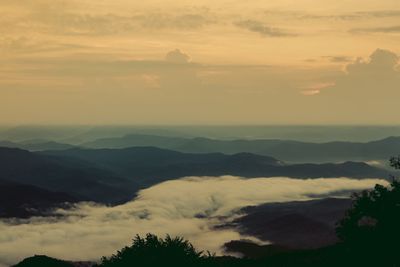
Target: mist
x,y
190,207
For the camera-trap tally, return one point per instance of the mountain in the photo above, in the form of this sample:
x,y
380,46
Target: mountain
x,y
23,201
57,133
36,145
294,225
286,150
148,165
38,181
252,250
76,178
132,140
45,145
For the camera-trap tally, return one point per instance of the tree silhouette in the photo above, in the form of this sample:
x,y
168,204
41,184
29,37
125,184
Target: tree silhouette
x,y
371,228
42,261
154,251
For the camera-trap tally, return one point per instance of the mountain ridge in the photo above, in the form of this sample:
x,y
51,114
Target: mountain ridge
x,y
287,150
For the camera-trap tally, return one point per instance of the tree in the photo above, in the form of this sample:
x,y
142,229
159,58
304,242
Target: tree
x,y
372,225
154,251
43,261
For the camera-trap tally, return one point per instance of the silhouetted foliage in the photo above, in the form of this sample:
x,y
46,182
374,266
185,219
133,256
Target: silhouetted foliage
x,y
371,226
154,251
42,261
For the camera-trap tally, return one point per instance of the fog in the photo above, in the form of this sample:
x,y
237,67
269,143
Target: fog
x,y
189,207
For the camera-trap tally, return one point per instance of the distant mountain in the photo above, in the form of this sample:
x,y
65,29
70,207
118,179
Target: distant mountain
x,y
36,145
76,178
292,151
148,165
23,201
8,144
294,225
56,133
132,140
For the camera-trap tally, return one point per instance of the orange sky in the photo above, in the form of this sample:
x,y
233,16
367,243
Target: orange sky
x,y
204,62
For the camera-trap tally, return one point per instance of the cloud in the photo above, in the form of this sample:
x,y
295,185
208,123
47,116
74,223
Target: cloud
x,y
264,30
339,59
310,92
177,56
315,89
368,89
85,18
380,62
378,75
357,15
189,207
380,13
390,29
180,21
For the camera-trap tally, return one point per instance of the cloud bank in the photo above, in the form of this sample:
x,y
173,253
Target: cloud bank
x,y
189,207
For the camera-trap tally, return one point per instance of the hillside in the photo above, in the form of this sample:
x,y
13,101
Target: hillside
x,y
76,178
294,225
23,201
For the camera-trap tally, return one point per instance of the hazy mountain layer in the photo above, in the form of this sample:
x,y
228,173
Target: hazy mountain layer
x,y
148,165
114,176
293,151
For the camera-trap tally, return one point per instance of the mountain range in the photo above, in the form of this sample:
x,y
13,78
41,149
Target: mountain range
x,y
149,165
114,176
287,150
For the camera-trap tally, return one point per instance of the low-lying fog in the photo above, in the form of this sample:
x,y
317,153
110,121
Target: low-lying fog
x,y
189,207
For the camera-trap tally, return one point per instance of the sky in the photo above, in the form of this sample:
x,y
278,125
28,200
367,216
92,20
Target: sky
x,y
199,62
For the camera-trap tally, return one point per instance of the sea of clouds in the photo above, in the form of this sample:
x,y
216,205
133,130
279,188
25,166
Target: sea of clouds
x,y
190,207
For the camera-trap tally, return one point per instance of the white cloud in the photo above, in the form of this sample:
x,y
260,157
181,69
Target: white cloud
x,y
174,207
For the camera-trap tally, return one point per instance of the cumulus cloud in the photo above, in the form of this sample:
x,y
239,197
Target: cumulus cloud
x,y
177,56
377,77
367,89
380,61
189,207
261,28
